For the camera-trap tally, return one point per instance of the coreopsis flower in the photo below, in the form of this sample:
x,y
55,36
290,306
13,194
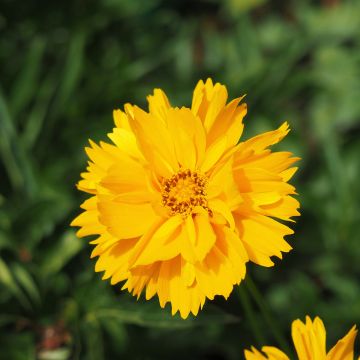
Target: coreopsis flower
x,y
310,344
179,206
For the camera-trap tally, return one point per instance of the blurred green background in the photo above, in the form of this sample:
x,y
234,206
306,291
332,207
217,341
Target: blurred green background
x,y
66,65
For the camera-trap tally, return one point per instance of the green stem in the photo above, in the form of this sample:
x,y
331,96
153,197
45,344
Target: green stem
x,y
251,316
267,315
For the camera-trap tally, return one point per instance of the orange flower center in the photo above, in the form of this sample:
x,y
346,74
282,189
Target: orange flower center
x,y
184,191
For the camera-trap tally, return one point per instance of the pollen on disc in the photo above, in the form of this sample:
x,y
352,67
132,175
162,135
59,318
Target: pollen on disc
x,y
184,191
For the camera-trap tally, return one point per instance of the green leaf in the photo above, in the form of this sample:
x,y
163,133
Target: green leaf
x,y
6,319
94,338
241,6
16,160
55,354
150,314
38,113
38,218
17,346
117,333
25,83
27,282
71,74
8,280
61,253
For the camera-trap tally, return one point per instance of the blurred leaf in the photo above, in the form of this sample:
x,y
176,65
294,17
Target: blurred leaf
x,y
56,354
71,73
23,88
8,280
60,253
116,331
38,218
150,314
94,338
334,23
18,165
6,319
17,347
27,282
36,117
184,51
240,6
5,241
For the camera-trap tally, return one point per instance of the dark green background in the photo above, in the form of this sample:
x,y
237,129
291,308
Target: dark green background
x,y
65,65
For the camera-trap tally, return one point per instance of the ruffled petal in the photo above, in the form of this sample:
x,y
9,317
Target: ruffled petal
x,y
188,137
272,353
224,266
344,348
125,220
262,237
154,140
309,339
254,354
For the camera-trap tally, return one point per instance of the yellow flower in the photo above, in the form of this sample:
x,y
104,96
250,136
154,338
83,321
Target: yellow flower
x,y
310,344
179,206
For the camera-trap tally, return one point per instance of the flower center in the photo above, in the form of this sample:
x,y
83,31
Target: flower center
x,y
184,191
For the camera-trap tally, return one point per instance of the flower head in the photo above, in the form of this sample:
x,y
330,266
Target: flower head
x,y
310,344
179,206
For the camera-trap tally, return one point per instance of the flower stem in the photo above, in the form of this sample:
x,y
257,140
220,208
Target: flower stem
x,y
267,315
250,315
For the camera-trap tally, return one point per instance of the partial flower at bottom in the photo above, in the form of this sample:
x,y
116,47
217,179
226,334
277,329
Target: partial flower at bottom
x,y
179,206
310,344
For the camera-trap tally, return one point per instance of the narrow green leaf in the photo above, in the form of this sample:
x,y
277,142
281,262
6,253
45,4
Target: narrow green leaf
x,y
61,253
38,218
36,118
8,280
17,346
117,333
94,339
6,319
16,161
55,354
149,314
72,70
26,82
27,282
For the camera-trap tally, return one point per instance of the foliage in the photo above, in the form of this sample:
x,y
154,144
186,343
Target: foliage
x,y
66,65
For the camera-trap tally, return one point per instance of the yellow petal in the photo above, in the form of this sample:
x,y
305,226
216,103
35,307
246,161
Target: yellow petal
x,y
124,177
218,206
262,237
121,120
125,220
309,339
164,244
274,353
213,154
155,142
254,354
344,348
229,123
208,101
260,180
89,223
204,235
114,260
125,141
260,142
224,265
283,209
188,137
159,104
